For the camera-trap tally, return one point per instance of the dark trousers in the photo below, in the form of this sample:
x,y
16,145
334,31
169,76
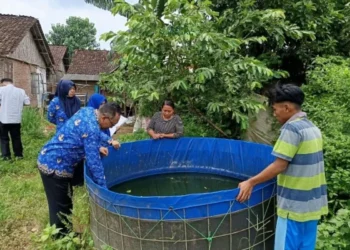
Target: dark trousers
x,y
78,176
14,130
59,193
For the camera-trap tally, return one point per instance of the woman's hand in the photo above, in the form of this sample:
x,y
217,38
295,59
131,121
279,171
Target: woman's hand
x,y
104,151
156,136
116,144
166,136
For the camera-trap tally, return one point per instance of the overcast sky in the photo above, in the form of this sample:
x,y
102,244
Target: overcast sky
x,y
57,11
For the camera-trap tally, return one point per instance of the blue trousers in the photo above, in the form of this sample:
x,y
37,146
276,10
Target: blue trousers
x,y
294,235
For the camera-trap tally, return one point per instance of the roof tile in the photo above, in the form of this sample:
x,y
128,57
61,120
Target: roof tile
x,y
58,53
90,62
13,29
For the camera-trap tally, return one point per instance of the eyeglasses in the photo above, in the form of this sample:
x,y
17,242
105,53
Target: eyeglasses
x,y
110,121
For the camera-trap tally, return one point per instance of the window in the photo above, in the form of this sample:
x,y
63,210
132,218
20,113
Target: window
x,y
8,69
38,86
35,83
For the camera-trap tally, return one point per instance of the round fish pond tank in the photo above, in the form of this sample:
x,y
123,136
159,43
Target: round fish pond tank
x,y
180,194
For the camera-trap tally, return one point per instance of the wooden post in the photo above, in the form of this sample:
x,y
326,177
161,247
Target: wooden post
x,y
124,95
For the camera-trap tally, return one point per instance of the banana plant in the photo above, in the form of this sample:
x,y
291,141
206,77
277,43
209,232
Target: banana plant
x,y
102,4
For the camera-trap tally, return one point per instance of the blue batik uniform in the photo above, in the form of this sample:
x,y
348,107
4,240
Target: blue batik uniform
x,y
79,137
56,114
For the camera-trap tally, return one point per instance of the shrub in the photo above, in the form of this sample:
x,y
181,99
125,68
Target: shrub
x,y
70,241
136,136
32,122
327,98
196,127
334,234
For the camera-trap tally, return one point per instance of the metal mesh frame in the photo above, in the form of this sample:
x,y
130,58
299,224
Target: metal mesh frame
x,y
251,228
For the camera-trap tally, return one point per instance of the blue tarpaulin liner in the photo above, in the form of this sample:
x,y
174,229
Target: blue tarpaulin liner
x,y
237,159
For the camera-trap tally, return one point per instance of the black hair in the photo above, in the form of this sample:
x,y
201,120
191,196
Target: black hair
x,y
6,80
286,93
50,96
169,103
110,109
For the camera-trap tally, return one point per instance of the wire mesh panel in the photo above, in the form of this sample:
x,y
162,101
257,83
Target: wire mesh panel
x,y
213,221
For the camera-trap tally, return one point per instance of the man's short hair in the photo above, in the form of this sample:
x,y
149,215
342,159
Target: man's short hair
x,y
110,109
6,80
286,93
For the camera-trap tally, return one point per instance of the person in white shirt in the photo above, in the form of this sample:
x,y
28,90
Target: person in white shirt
x,y
12,100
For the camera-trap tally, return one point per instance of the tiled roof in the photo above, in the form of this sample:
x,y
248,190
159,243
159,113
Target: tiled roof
x,y
58,53
90,62
14,28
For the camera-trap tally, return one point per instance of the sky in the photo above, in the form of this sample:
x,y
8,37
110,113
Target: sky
x,y
57,11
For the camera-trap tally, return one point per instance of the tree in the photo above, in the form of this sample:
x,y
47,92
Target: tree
x,y
329,20
77,33
187,56
157,5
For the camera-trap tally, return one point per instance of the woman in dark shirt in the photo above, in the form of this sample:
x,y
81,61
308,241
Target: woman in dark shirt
x,y
166,124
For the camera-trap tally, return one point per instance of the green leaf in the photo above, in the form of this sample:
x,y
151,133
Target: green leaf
x,y
44,237
107,36
76,240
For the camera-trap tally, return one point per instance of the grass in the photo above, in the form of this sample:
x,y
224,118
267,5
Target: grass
x,y
23,205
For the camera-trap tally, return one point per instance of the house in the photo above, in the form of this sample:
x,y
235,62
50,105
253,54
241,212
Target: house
x,y
61,58
86,67
25,55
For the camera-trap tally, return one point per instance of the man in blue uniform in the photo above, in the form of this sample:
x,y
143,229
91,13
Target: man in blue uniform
x,y
79,138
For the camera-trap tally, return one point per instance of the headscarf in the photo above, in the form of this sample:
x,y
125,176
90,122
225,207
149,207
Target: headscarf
x,y
96,100
71,105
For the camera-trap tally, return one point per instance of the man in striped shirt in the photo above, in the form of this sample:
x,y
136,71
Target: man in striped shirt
x,y
299,167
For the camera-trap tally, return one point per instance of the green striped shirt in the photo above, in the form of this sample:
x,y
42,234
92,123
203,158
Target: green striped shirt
x,y
301,188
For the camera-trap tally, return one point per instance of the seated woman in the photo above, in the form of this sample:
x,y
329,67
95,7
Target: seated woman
x,y
64,105
166,124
